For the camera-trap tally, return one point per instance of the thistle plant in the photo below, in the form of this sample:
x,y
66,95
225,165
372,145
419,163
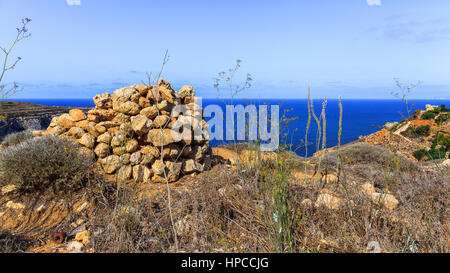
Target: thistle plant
x,y
403,94
227,79
22,33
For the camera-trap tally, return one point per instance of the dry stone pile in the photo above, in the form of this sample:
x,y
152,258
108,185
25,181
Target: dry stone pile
x,y
128,130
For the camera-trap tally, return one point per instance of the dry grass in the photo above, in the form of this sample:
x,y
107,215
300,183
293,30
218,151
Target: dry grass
x,y
12,243
219,213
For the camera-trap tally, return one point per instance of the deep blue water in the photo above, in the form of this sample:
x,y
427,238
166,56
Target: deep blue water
x,y
360,117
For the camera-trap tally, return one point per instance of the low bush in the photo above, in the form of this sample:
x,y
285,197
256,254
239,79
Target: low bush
x,y
423,130
43,163
441,119
444,109
16,138
436,110
428,115
419,154
436,153
441,140
361,153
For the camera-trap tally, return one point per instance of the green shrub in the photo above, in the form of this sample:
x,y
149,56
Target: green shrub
x,y
423,130
419,154
428,115
436,153
436,110
441,119
442,140
43,163
16,138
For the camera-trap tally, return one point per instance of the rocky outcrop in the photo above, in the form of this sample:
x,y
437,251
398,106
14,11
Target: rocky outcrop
x,y
130,131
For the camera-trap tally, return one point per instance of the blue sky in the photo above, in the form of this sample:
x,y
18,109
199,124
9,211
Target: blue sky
x,y
351,48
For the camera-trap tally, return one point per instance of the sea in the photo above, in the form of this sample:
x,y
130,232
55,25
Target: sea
x,y
360,117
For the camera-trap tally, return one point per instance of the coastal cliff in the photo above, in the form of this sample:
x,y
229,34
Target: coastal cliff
x,y
20,116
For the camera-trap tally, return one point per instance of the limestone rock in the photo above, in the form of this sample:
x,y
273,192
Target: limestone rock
x,y
147,159
158,167
111,163
199,151
75,247
132,145
135,158
8,188
386,200
87,140
121,150
76,132
163,106
125,173
102,150
77,114
118,140
328,200
129,108
163,137
160,121
58,130
93,118
125,159
126,129
151,150
106,114
83,237
171,151
148,173
83,124
103,101
141,173
191,166
142,89
329,178
122,95
14,205
174,169
100,129
144,102
153,94
166,91
104,138
66,121
121,118
141,124
91,130
368,188
186,91
54,122
149,112
307,202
